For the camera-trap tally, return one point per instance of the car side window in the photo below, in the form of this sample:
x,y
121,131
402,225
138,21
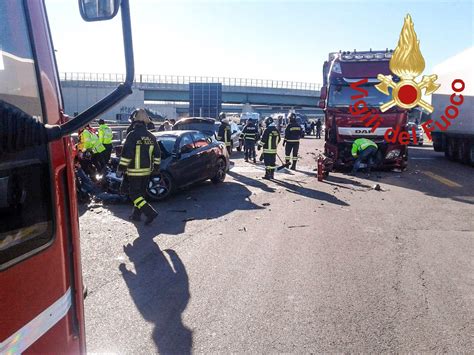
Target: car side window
x,y
186,144
200,140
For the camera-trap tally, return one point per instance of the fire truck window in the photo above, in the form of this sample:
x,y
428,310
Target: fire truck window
x,y
25,192
340,95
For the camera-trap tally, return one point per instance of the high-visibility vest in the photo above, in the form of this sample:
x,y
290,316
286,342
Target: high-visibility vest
x,y
89,140
361,144
105,134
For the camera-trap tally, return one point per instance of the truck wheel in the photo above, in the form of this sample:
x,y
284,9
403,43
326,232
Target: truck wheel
x,y
464,152
471,153
450,151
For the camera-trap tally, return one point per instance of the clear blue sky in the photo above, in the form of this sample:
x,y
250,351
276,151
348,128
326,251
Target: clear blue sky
x,y
287,40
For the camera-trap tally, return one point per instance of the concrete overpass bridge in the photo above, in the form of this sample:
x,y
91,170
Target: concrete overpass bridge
x,y
79,88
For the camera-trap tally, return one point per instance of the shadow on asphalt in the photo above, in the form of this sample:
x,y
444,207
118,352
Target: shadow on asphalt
x,y
160,290
204,201
310,193
251,181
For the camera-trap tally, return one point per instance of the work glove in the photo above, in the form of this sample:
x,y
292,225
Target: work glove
x,y
119,173
259,147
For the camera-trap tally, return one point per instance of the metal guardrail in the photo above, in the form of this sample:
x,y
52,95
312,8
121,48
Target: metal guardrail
x,y
184,80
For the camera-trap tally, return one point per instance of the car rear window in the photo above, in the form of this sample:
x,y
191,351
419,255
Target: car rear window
x,y
207,128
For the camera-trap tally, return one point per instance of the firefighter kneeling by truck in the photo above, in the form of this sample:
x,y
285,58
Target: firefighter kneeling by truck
x,y
141,158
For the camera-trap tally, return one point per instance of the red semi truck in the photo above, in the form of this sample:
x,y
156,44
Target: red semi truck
x,y
342,73
41,290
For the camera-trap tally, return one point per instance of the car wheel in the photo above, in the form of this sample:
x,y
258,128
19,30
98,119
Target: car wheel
x,y
220,172
160,187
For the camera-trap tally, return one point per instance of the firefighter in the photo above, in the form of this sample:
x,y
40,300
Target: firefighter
x,y
318,128
269,142
293,133
364,150
105,137
250,135
224,134
140,159
89,141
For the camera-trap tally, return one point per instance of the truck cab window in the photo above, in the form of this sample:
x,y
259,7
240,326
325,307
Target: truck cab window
x,y
25,192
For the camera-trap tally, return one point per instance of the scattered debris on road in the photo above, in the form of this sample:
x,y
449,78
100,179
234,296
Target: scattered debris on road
x,y
376,187
265,204
300,226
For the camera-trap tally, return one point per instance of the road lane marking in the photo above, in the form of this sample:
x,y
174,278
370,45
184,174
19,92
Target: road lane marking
x,y
441,179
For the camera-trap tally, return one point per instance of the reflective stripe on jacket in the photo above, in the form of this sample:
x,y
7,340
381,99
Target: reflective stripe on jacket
x,y
250,133
224,135
105,134
141,153
293,133
361,144
89,140
270,140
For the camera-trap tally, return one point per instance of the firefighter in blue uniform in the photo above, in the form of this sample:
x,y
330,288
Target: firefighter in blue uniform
x,y
224,134
293,133
141,158
269,143
250,135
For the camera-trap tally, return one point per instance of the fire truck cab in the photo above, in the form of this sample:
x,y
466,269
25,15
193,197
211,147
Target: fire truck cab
x,y
41,290
337,96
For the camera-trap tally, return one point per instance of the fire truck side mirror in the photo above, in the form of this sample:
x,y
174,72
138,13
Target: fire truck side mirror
x,y
98,10
324,93
322,104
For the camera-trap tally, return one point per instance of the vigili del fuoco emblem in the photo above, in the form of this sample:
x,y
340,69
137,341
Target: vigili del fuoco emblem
x,y
407,63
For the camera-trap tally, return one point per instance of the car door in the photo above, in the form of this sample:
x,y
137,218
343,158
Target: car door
x,y
201,142
185,167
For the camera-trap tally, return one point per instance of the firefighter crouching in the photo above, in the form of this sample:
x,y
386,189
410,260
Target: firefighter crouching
x,y
291,142
250,135
269,142
224,134
364,151
89,141
140,158
105,137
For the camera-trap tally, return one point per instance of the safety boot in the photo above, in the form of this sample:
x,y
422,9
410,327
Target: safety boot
x,y
136,215
293,166
267,175
150,213
254,160
272,174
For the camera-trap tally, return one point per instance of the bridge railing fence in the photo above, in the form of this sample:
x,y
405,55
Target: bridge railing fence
x,y
144,79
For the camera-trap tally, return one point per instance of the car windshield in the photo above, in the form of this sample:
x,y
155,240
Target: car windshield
x,y
167,143
340,96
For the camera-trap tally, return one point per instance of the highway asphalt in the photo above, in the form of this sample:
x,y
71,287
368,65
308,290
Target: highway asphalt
x,y
293,265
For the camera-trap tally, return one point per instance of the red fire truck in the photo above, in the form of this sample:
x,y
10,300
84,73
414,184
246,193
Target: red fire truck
x,y
343,126
41,290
